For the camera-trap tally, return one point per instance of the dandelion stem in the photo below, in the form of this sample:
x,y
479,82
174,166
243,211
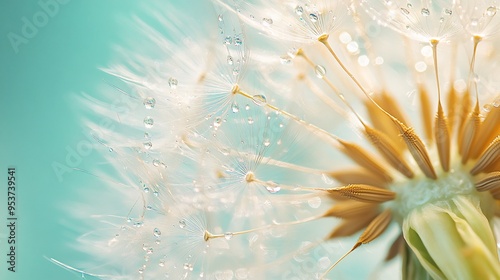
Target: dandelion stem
x,y
292,166
339,260
473,122
331,86
228,235
376,227
452,95
415,145
441,130
425,105
476,40
384,145
434,44
359,192
324,39
279,163
327,136
322,96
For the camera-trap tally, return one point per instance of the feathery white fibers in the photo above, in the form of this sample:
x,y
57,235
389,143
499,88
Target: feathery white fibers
x,y
422,20
297,21
183,148
221,147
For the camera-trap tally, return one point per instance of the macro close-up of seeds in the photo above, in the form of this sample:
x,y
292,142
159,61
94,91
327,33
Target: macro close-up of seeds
x,y
298,139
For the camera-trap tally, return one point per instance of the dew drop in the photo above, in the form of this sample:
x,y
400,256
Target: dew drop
x,y
326,179
225,151
149,102
425,12
320,71
405,11
228,40
157,232
147,136
223,275
172,83
272,187
267,21
313,17
146,190
292,52
285,60
148,122
182,223
299,10
267,142
138,224
147,145
230,60
241,273
247,107
491,11
235,108
156,162
250,120
236,72
220,18
314,202
237,41
112,241
188,266
217,122
448,12
409,5
324,262
496,103
228,235
259,100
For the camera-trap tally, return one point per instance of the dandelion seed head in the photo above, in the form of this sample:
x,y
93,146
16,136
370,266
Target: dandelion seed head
x,y
479,17
422,21
294,21
244,156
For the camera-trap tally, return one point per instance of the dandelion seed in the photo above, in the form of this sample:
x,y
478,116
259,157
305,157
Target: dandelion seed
x,y
231,161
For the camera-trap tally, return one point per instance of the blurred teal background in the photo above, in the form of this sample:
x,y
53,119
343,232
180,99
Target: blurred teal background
x,y
40,120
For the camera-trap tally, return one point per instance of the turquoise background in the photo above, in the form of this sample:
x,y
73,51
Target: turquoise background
x,y
40,120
